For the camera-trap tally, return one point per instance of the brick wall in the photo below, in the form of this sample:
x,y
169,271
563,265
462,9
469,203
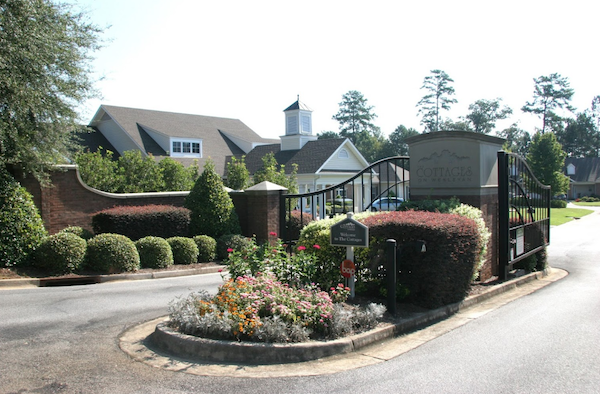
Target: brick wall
x,y
68,202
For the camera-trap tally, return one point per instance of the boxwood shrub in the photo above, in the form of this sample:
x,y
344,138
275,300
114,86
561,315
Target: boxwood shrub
x,y
112,253
79,231
61,253
155,252
185,250
207,248
136,222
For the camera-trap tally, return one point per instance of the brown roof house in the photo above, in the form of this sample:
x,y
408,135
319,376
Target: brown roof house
x,y
584,175
183,137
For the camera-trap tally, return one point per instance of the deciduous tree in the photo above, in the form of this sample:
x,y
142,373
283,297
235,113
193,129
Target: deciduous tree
x,y
45,72
238,177
485,113
547,159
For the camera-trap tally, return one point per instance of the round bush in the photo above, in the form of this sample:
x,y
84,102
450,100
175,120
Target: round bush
x,y
231,241
155,252
61,253
79,231
207,248
184,250
21,227
112,253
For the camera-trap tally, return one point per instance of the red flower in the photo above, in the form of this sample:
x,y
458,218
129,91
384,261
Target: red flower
x,y
229,250
301,247
316,246
273,234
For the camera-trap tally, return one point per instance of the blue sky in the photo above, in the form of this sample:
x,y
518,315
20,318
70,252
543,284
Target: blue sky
x,y
250,59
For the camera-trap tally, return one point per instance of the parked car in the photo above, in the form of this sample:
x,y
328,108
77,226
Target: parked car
x,y
387,204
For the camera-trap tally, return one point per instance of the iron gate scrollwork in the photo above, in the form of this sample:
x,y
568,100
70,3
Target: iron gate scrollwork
x,y
524,212
381,186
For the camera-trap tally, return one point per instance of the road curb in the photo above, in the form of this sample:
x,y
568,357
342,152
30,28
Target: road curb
x,y
93,279
155,344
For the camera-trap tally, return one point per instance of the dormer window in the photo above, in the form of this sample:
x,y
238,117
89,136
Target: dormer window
x,y
571,169
186,148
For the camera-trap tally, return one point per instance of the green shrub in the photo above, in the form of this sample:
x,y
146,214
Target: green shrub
x,y
112,253
474,213
155,252
212,210
440,276
184,250
558,204
441,206
207,248
330,257
21,227
296,222
61,253
79,231
137,222
235,242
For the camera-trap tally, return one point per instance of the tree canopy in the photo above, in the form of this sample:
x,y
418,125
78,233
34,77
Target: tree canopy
x,y
550,93
45,72
484,114
355,115
439,88
546,159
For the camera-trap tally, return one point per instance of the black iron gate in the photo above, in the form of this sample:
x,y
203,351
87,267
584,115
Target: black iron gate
x,y
381,186
524,212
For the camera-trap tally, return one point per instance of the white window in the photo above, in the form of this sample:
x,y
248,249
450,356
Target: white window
x,y
186,148
343,154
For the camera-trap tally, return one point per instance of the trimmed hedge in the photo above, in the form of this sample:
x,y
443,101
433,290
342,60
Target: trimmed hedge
x,y
185,250
137,222
79,231
61,253
155,252
558,204
440,276
112,253
207,248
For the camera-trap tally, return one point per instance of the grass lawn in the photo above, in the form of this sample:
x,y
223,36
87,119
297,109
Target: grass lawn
x,y
559,216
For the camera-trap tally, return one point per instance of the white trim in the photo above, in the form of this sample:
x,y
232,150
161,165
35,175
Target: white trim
x,y
186,147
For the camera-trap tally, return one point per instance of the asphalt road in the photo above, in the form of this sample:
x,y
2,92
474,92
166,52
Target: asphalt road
x,y
65,340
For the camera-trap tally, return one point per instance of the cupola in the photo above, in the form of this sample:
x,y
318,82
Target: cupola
x,y
298,126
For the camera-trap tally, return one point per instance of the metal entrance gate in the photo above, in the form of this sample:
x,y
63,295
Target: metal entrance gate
x,y
524,212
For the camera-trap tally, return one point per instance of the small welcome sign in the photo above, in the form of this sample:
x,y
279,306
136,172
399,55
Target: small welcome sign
x,y
349,232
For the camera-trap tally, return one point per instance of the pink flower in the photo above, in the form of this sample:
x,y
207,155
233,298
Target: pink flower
x,y
220,269
301,247
316,246
273,234
229,250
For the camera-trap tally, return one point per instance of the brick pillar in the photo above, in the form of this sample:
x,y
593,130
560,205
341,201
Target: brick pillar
x,y
258,209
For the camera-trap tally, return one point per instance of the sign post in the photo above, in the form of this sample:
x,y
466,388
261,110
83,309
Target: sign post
x,y
349,233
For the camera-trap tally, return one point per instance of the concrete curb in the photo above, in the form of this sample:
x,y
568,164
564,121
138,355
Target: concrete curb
x,y
220,351
93,279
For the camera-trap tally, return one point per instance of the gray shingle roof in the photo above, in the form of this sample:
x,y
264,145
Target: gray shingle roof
x,y
212,130
309,159
587,169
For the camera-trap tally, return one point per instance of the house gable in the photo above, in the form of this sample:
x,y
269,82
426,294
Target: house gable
x,y
159,133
